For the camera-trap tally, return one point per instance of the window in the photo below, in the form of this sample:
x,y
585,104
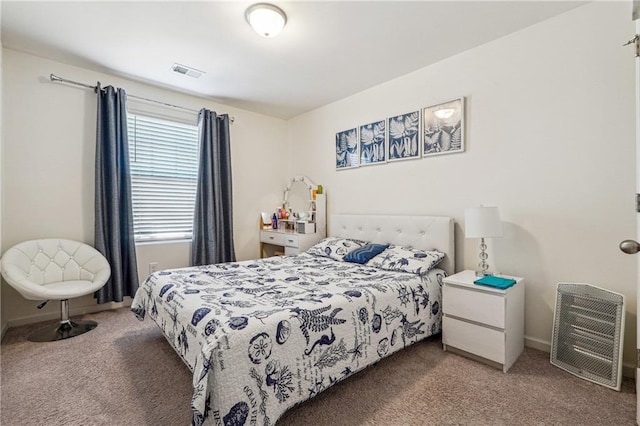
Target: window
x,y
164,174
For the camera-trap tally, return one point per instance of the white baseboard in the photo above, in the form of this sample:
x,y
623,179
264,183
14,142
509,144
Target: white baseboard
x,y
73,311
628,370
539,344
5,327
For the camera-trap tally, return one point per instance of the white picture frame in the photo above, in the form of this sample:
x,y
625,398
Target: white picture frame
x,y
404,136
373,143
347,151
443,128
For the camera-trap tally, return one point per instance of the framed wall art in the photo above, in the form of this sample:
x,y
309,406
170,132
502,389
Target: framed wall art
x,y
347,155
443,128
404,135
372,143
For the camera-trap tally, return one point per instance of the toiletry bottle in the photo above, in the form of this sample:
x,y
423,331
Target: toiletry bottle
x,y
274,221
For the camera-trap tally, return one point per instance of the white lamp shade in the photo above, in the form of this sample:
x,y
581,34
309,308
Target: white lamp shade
x,y
266,19
482,222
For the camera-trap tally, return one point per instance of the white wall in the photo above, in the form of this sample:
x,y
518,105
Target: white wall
x,y
550,140
48,168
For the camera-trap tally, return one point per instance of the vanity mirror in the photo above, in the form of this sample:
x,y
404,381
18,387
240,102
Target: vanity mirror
x,y
300,220
298,199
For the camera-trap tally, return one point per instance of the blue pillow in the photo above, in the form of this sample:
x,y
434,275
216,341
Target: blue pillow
x,y
365,253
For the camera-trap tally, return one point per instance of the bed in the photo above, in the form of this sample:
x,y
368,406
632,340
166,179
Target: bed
x,y
263,335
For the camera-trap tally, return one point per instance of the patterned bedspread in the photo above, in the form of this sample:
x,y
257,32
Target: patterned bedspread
x,y
263,335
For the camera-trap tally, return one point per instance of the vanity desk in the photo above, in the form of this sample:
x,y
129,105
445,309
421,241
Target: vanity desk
x,y
285,242
295,235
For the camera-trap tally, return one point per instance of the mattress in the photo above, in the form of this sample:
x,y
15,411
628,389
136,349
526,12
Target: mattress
x,y
263,335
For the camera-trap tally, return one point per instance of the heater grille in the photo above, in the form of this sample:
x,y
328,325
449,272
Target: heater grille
x,y
588,327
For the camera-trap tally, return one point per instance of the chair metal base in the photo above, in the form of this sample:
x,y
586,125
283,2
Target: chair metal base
x,y
63,330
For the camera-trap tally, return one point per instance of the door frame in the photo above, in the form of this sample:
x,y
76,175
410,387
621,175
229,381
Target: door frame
x,y
636,18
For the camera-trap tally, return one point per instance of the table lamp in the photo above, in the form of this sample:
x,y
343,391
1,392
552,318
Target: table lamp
x,y
482,222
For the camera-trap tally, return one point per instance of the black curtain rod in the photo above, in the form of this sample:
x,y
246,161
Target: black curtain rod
x,y
55,78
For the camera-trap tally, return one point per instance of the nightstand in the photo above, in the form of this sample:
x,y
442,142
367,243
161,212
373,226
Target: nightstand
x,y
483,321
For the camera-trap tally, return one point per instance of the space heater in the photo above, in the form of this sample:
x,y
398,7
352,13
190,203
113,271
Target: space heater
x,y
588,328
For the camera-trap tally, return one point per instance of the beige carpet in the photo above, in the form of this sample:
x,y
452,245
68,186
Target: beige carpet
x,y
125,373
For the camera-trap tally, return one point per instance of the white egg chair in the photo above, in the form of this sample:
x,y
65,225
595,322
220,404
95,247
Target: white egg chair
x,y
55,269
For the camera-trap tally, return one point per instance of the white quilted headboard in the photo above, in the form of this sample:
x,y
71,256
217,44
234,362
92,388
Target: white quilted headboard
x,y
421,232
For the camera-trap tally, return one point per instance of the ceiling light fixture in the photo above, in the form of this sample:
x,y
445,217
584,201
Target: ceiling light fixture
x,y
266,19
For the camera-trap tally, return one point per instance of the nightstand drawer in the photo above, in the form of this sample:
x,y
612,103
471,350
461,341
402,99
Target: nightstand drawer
x,y
474,305
272,238
291,240
478,340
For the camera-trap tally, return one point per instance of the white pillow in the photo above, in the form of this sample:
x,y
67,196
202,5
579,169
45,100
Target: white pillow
x,y
406,259
335,247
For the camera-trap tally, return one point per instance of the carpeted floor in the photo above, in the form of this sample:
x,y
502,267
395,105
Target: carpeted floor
x,y
125,373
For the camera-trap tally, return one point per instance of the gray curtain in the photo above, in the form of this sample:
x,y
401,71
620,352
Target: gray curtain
x,y
213,216
113,207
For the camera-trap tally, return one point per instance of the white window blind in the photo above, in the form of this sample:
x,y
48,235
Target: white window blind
x,y
164,172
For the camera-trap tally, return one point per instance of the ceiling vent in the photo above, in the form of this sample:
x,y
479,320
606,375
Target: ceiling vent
x,y
185,70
